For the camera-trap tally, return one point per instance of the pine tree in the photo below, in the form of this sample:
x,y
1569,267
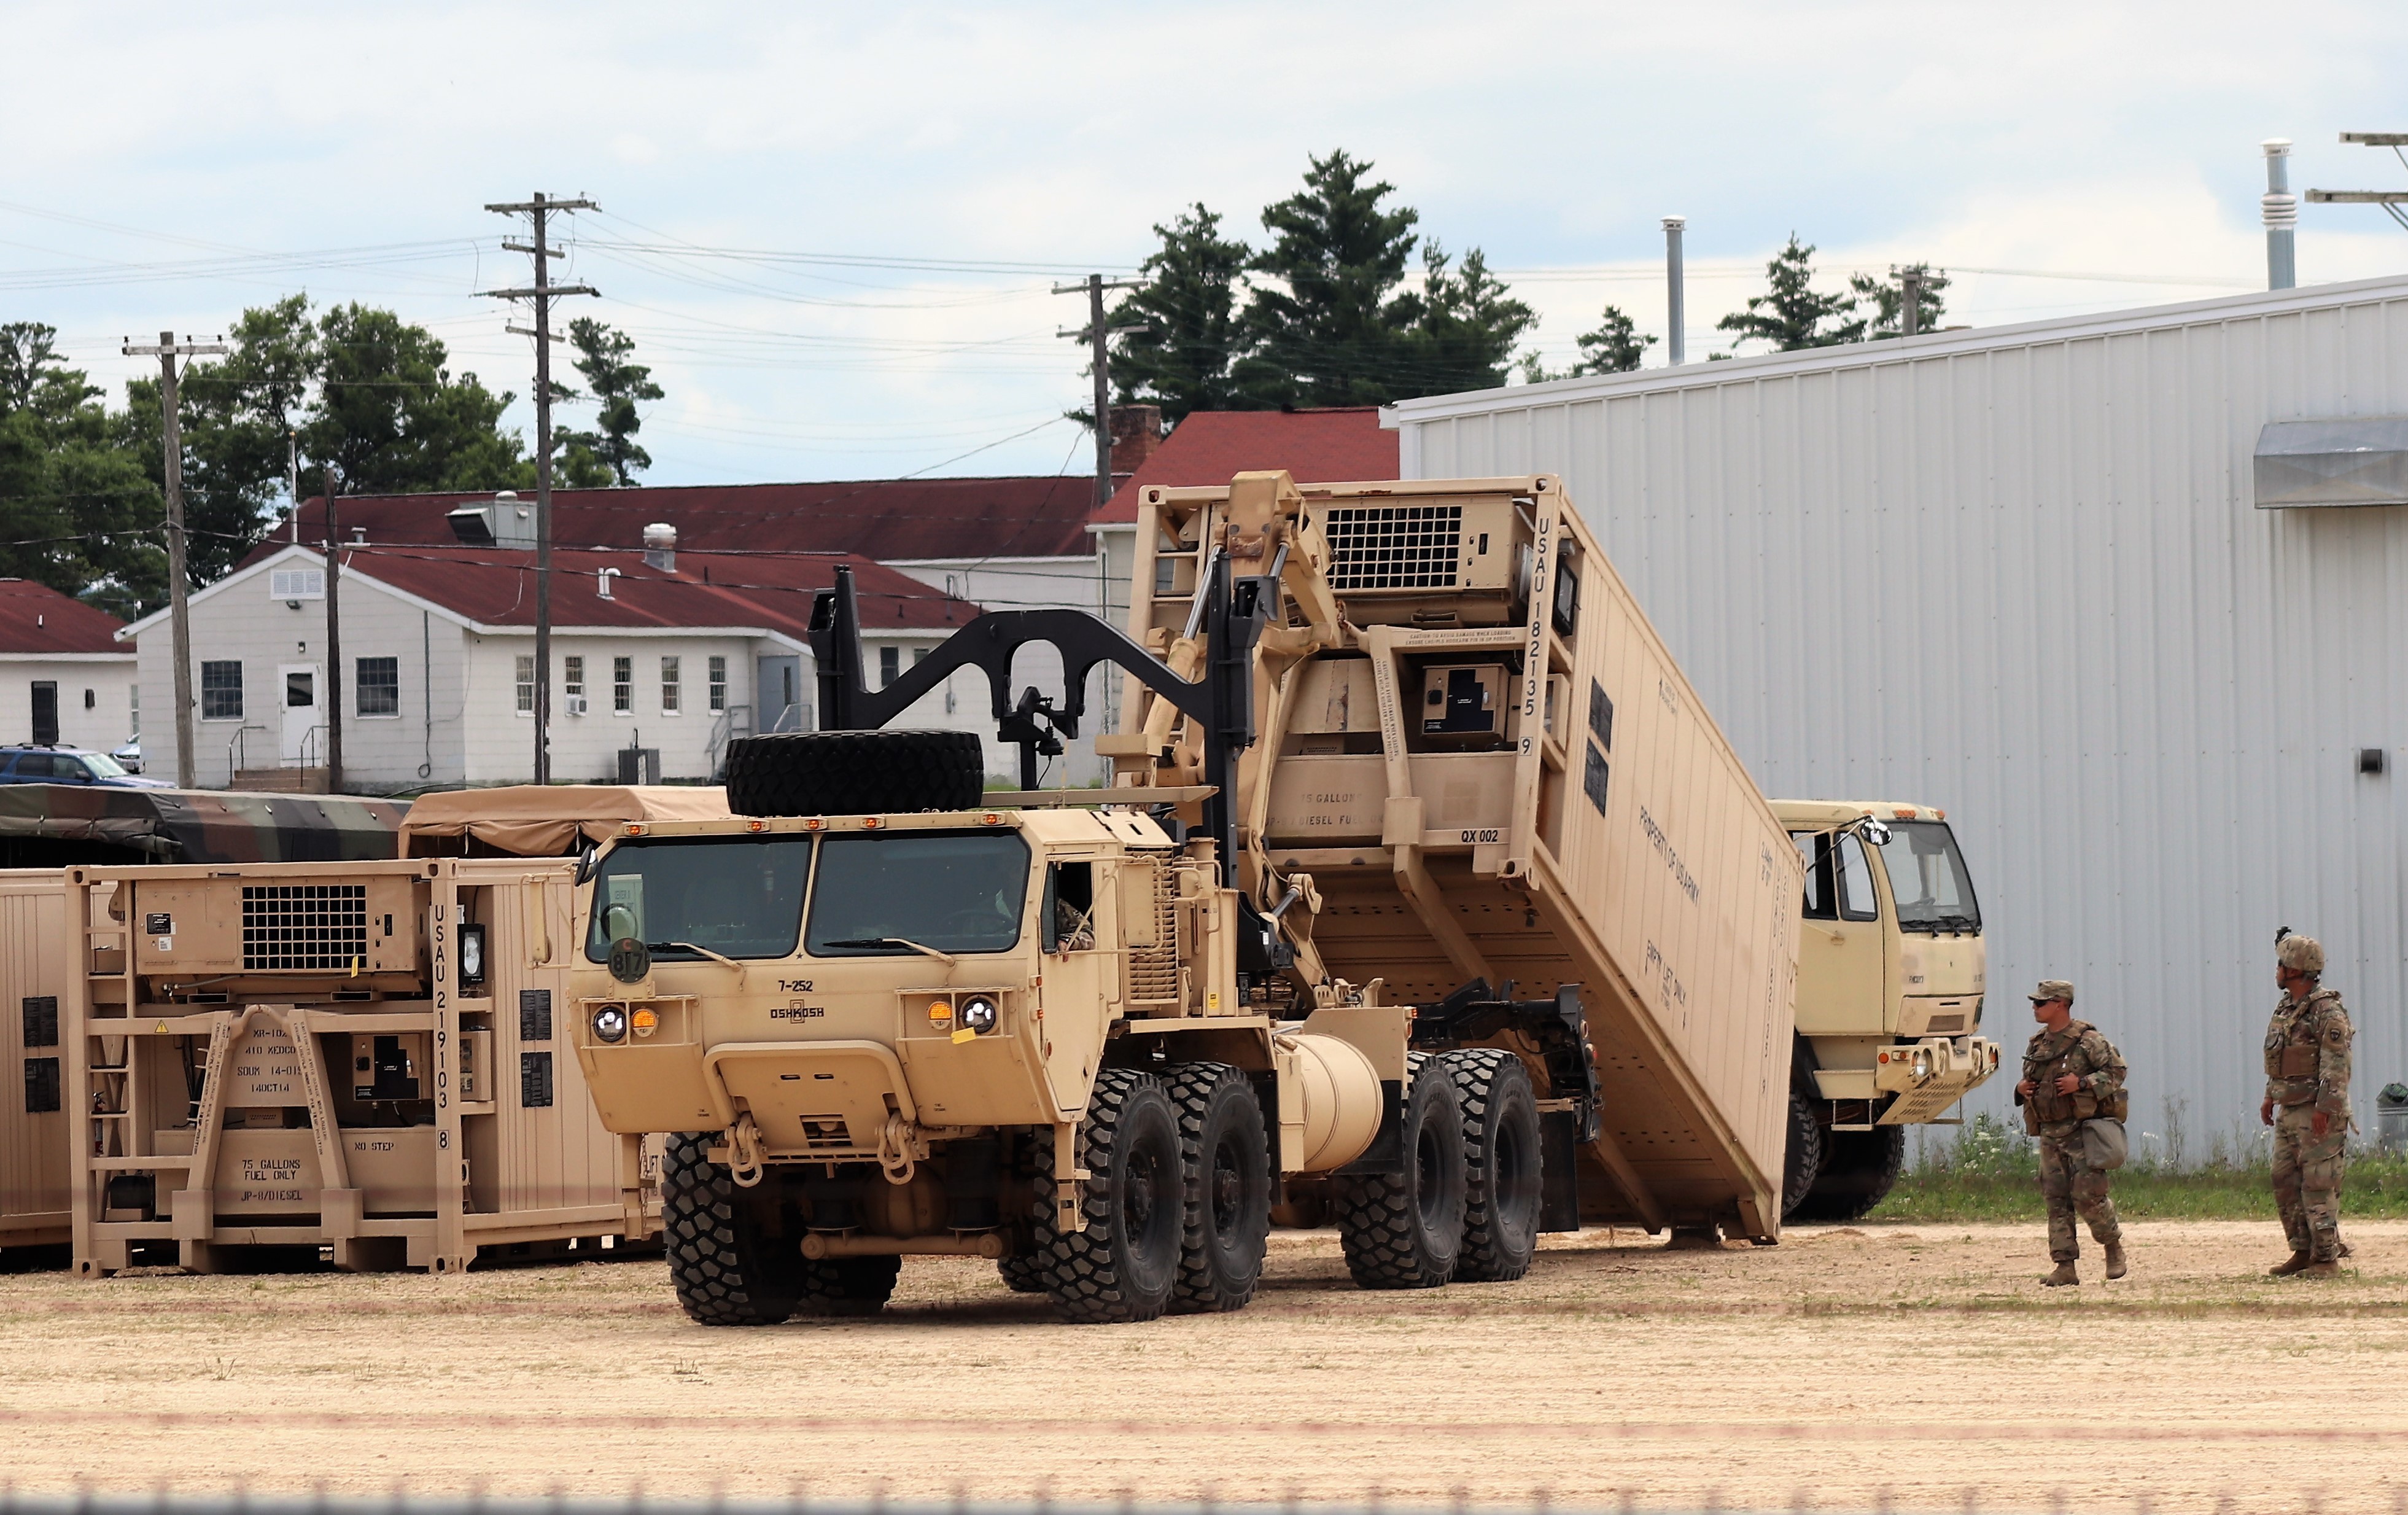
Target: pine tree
x,y
1181,360
1466,328
1791,314
610,452
1614,347
1327,325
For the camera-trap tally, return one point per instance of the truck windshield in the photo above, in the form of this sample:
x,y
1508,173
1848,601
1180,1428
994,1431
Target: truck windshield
x,y
1928,878
950,891
740,896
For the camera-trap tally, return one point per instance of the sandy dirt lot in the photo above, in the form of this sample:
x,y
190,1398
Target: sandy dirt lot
x,y
1847,1368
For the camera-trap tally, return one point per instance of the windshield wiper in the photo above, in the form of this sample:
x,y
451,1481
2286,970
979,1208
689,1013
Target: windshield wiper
x,y
1944,923
699,951
945,957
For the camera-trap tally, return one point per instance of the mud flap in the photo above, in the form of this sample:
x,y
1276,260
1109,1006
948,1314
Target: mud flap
x,y
1559,1136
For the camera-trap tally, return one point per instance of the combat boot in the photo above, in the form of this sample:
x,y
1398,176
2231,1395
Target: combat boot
x,y
2063,1275
2115,1268
2321,1270
2289,1265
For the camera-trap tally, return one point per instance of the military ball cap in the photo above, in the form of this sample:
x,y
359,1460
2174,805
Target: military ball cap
x,y
2053,988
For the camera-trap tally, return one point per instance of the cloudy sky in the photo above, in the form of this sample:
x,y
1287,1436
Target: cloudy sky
x,y
833,229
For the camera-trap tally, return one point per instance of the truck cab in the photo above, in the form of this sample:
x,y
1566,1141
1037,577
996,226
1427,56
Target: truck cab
x,y
1891,967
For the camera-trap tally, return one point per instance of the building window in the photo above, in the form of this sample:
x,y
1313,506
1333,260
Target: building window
x,y
380,686
572,674
672,686
890,662
526,684
222,691
622,684
719,684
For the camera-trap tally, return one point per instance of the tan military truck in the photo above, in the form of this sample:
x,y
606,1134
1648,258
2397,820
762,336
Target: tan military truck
x,y
1426,899
1890,966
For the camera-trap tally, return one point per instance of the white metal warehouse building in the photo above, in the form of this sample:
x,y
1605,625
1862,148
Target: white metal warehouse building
x,y
2078,583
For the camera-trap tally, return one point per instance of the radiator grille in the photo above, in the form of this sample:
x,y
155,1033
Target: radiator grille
x,y
304,925
1394,546
1153,972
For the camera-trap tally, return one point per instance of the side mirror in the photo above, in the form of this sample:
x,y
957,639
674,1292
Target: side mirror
x,y
1877,832
588,858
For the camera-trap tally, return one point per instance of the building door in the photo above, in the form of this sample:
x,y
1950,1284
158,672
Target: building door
x,y
303,744
46,713
778,693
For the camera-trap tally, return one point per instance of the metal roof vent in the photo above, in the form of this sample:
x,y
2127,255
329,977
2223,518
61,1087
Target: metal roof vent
x,y
660,546
2354,462
507,522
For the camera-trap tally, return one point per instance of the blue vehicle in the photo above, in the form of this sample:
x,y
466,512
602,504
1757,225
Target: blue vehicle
x,y
27,764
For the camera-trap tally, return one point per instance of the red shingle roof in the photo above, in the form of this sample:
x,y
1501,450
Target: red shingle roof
x,y
495,586
36,618
1210,447
884,519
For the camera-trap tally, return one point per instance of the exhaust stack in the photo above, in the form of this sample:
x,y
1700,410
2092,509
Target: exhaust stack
x,y
1675,314
2280,209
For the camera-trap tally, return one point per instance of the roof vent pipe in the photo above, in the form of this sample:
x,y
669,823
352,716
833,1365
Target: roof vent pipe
x,y
2282,213
660,546
602,578
1675,311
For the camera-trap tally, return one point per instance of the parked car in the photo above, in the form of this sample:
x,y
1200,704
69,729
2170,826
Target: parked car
x,y
128,754
69,765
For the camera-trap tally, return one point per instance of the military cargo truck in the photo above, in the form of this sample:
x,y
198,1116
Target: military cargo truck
x,y
1890,982
1426,898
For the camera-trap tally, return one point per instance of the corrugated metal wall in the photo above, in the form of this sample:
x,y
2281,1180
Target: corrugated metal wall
x,y
2019,573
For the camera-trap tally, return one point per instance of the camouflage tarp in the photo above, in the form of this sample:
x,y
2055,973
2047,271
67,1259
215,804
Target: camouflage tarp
x,y
60,825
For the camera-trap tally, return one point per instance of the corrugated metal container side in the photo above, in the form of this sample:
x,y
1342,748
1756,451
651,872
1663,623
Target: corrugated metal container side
x,y
2020,573
37,958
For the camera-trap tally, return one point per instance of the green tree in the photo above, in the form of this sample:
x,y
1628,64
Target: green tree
x,y
1465,330
608,453
77,511
1792,314
1326,327
1889,301
1181,360
1614,347
391,418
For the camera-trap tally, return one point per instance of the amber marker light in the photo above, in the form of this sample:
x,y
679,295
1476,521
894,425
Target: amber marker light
x,y
634,827
813,824
646,1021
871,823
941,1013
756,826
993,819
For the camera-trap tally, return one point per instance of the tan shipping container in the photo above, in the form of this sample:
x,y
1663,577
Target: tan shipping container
x,y
37,957
296,1056
1506,777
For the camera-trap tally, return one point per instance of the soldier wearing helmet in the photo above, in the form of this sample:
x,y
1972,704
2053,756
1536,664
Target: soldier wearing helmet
x,y
2307,1102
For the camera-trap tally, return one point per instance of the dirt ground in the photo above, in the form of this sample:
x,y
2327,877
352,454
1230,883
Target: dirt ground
x,y
1848,1368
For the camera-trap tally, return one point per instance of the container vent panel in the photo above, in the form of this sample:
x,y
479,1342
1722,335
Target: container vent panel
x,y
310,926
1394,546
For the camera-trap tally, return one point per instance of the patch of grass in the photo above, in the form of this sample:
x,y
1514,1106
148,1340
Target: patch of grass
x,y
1991,1171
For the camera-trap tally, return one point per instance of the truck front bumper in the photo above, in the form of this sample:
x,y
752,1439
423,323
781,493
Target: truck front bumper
x,y
1930,1076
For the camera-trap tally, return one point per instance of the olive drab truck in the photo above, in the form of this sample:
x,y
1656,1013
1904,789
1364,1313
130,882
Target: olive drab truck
x,y
1426,899
1890,981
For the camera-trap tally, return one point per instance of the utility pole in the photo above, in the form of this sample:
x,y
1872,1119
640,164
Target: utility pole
x,y
334,642
539,210
180,620
1676,314
1099,337
2391,200
1910,305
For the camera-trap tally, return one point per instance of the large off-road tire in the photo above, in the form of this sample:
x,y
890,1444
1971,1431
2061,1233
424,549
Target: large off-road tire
x,y
847,1285
1803,1160
1124,1264
1405,1230
1227,1161
1028,1213
1022,1274
1500,1164
853,773
728,1266
1860,1169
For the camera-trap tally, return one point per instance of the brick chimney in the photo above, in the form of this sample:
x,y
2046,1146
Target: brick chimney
x,y
1136,431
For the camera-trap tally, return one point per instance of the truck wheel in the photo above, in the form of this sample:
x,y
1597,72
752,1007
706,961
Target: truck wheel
x,y
853,773
1500,1164
1859,1173
1226,1162
847,1285
1124,1266
1405,1230
1028,1174
1022,1275
729,1270
1804,1159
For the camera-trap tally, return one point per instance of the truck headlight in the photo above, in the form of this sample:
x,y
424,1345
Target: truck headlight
x,y
472,956
610,1024
978,1014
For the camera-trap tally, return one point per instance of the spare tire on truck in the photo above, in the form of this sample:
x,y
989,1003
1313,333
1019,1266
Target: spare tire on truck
x,y
853,773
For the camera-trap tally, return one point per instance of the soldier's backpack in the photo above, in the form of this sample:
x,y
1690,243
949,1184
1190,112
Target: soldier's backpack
x,y
2104,1146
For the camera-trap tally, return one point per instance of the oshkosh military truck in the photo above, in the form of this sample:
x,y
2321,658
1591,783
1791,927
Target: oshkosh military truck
x,y
1890,965
1426,899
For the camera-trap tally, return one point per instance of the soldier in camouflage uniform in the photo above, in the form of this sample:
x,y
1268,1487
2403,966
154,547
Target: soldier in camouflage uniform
x,y
2070,1073
2307,1102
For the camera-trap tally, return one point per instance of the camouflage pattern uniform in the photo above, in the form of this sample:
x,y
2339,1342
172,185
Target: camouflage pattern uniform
x,y
2067,1181
2307,1071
